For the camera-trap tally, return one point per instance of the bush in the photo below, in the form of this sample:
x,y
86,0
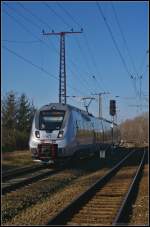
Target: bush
x,y
8,140
7,149
17,116
135,130
22,139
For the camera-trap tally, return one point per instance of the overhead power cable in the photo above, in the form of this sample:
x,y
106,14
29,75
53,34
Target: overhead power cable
x,y
39,19
33,14
22,15
62,20
72,18
123,37
20,42
116,46
113,39
134,78
50,8
69,14
88,48
42,21
29,62
27,30
36,66
143,62
86,41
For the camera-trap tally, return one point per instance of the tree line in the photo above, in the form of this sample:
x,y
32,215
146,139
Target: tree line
x,y
135,130
17,115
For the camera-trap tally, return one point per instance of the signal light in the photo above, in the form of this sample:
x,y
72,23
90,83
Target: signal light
x,y
112,109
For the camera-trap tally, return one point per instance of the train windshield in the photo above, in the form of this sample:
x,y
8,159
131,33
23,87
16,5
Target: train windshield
x,y
51,120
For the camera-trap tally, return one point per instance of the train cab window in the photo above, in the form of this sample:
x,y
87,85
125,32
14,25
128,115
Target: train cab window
x,y
51,120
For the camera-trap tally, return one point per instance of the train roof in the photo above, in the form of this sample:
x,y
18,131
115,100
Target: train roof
x,y
65,107
60,106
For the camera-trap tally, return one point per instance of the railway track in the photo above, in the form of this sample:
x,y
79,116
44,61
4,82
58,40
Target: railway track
x,y
13,180
7,175
29,177
105,202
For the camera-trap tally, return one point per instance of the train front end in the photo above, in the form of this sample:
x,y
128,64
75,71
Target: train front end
x,y
47,138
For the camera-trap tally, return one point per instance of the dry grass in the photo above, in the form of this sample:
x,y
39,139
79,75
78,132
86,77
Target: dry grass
x,y
16,159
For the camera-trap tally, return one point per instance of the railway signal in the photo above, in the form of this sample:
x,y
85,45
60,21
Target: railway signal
x,y
112,109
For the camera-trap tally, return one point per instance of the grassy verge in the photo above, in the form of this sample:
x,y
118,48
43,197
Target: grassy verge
x,y
15,159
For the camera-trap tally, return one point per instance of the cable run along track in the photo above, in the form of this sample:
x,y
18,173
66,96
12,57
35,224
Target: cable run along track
x,y
105,202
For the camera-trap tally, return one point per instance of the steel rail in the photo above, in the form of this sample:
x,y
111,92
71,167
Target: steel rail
x,y
8,186
20,171
25,182
127,202
65,213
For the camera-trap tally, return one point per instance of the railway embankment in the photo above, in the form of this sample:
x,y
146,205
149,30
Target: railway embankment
x,y
35,204
48,193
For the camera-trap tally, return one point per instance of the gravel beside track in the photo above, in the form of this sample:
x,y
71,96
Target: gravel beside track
x,y
140,213
41,212
16,201
102,208
101,202
37,203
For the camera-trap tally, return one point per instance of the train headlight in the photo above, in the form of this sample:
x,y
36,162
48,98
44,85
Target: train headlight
x,y
60,134
37,134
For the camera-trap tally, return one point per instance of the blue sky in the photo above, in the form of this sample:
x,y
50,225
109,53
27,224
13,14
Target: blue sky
x,y
93,63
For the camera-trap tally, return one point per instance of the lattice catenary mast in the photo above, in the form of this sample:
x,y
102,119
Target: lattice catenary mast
x,y
62,67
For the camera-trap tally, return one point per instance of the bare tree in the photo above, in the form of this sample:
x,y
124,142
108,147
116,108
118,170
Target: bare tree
x,y
136,130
